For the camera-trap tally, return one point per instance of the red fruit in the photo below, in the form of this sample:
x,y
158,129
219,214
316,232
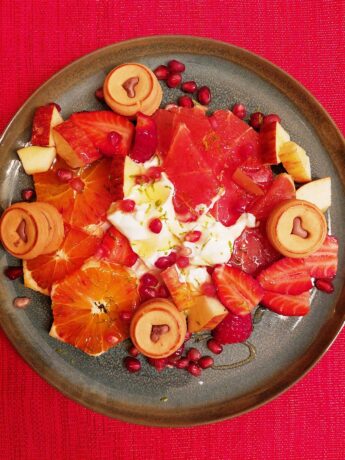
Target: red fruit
x,y
180,292
111,146
133,351
99,94
13,273
185,101
287,305
246,183
214,346
238,291
173,80
185,252
116,248
176,66
149,280
45,118
147,293
286,276
77,184
189,86
239,110
182,261
204,95
155,225
324,286
182,363
271,118
233,329
194,369
127,205
142,179
132,364
163,292
154,173
271,137
100,123
56,105
159,364
28,194
163,262
324,262
161,72
126,316
193,354
256,120
172,257
145,141
193,236
208,289
64,175
205,362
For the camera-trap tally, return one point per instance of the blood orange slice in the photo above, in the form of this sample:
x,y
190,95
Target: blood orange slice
x,y
43,271
87,305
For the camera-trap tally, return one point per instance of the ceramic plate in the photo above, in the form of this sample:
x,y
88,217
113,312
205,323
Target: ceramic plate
x,y
286,348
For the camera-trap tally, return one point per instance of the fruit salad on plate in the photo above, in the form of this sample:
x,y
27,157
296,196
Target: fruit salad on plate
x,y
158,223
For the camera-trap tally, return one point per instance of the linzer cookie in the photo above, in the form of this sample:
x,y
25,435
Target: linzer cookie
x,y
132,88
28,230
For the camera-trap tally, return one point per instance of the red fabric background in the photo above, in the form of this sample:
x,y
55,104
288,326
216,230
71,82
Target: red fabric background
x,y
306,39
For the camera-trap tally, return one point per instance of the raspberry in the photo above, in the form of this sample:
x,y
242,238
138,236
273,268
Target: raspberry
x,y
233,329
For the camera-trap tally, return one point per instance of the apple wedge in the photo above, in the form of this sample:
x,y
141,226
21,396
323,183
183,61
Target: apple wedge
x,y
73,145
45,119
207,313
295,161
317,192
179,291
272,136
36,159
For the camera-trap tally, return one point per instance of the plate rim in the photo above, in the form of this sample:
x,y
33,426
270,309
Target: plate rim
x,y
333,142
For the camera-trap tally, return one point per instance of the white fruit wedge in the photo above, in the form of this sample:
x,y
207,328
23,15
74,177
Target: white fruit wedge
x,y
295,161
45,118
207,313
317,192
272,136
36,159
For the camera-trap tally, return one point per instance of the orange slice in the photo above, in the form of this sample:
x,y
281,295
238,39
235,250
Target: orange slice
x,y
87,305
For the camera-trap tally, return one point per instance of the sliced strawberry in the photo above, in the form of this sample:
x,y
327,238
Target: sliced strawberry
x,y
180,292
116,176
324,262
100,123
287,305
238,292
146,140
115,247
286,276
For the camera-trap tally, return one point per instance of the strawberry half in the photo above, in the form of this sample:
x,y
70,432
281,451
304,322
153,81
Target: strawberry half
x,y
237,291
324,262
100,123
180,292
287,276
115,247
287,305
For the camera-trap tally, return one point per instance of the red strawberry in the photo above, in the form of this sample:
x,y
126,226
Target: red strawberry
x,y
146,140
233,329
238,292
324,262
287,305
180,292
287,276
115,247
99,124
116,174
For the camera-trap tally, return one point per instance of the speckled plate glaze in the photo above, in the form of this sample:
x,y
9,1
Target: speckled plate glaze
x,y
286,348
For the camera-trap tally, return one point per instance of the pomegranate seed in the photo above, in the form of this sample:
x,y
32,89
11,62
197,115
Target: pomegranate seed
x,y
214,346
77,184
193,354
193,236
256,120
213,122
162,292
28,194
149,280
271,118
187,336
13,273
174,80
155,225
194,369
210,270
127,205
132,364
205,362
21,302
176,66
204,95
179,351
161,72
182,261
182,363
143,179
189,86
126,315
185,101
324,286
185,252
132,259
172,257
58,107
64,175
99,94
114,138
239,110
133,351
147,292
159,364
208,289
111,339
155,172
163,262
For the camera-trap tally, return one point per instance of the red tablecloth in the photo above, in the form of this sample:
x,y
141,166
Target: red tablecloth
x,y
307,39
